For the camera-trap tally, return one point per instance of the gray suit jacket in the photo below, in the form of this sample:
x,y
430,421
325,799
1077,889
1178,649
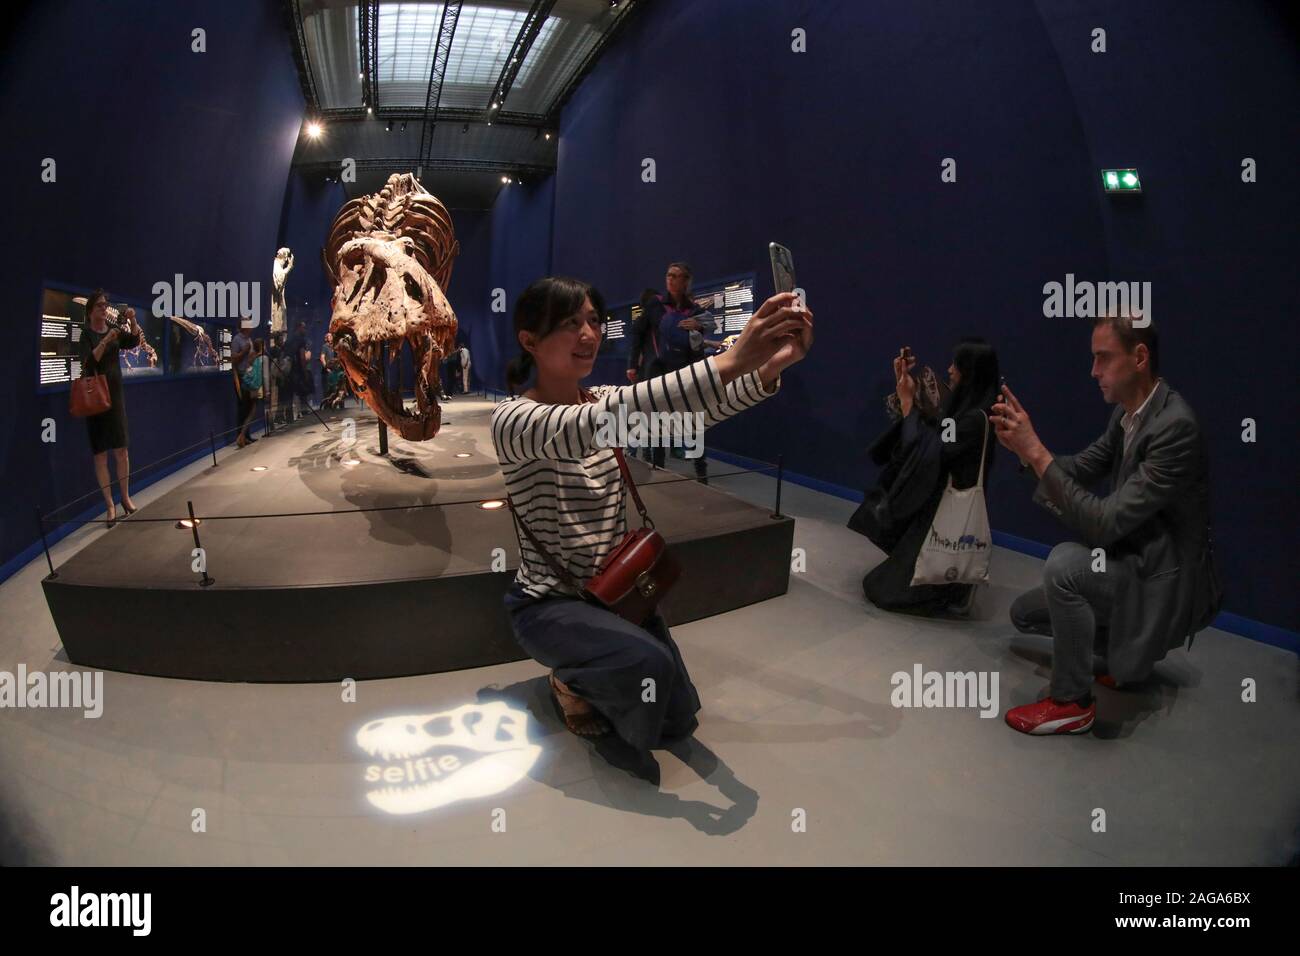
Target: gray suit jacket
x,y
1154,527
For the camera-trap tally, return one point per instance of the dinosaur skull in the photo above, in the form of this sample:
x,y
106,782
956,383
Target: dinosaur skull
x,y
389,255
431,760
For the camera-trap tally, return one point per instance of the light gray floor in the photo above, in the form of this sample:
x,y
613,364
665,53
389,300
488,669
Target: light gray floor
x,y
797,725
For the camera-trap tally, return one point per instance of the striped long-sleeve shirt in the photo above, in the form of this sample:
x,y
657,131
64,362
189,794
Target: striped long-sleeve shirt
x,y
567,488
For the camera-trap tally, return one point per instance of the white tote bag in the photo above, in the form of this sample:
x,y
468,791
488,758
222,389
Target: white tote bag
x,y
957,546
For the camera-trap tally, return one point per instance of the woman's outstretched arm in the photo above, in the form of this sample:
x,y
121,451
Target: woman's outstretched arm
x,y
523,431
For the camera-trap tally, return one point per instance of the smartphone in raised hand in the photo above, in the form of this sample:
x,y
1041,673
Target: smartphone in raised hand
x,y
782,267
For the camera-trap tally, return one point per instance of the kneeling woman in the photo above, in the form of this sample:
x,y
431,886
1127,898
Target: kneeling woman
x,y
571,494
917,467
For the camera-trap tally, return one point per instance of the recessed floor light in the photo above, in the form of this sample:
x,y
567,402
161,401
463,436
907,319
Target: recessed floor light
x,y
185,524
462,454
258,468
351,461
492,505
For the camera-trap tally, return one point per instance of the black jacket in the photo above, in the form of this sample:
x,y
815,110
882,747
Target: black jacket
x,y
897,512
641,356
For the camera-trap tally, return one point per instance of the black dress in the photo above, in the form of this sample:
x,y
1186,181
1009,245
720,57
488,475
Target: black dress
x,y
107,430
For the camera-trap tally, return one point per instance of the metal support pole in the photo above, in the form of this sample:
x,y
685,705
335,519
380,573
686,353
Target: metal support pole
x,y
383,370
40,523
780,468
194,526
212,439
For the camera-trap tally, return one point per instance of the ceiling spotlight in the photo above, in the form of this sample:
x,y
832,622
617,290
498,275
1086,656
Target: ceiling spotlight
x,y
548,135
403,126
388,127
492,505
361,76
505,179
369,110
494,106
465,128
313,130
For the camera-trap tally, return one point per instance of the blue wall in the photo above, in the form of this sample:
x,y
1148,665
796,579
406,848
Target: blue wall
x,y
310,205
837,152
167,161
520,252
469,291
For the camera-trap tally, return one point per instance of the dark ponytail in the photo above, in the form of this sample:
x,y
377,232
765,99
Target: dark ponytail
x,y
543,306
518,370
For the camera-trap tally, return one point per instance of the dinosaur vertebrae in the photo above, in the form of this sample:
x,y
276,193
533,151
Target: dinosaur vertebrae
x,y
402,209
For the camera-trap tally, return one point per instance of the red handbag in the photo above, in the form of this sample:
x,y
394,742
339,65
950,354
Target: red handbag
x,y
89,396
634,577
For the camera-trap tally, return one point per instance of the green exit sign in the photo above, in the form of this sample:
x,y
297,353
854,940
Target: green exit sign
x,y
1121,181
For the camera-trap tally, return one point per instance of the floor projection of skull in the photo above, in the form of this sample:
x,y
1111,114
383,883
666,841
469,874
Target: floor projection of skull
x,y
433,760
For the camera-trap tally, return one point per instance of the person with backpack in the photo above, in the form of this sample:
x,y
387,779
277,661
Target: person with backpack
x,y
279,366
251,385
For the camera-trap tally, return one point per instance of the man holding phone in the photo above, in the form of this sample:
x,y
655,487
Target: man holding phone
x,y
1144,570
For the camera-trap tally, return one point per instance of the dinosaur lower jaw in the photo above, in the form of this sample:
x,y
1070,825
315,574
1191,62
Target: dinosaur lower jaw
x,y
367,383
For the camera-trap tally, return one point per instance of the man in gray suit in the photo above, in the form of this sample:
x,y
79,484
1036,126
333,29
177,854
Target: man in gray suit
x,y
1143,579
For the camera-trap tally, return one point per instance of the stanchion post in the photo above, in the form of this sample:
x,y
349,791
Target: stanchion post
x,y
780,467
194,526
40,523
383,377
212,440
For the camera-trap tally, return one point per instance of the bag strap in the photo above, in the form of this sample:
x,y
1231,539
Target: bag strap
x,y
560,572
979,482
646,522
94,362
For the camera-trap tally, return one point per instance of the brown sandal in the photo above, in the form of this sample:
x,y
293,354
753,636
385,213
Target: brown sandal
x,y
578,715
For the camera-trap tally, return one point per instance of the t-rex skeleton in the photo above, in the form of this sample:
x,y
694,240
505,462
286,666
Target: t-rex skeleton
x,y
389,256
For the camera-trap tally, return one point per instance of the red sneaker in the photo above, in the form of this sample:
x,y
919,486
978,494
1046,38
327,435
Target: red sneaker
x,y
1052,717
1105,680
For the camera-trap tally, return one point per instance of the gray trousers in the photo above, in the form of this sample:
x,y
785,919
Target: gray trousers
x,y
1072,606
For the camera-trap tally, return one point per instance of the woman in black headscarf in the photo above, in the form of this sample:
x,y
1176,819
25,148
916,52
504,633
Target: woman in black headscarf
x,y
918,463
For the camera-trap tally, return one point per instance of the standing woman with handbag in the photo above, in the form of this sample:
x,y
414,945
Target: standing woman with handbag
x,y
567,494
100,345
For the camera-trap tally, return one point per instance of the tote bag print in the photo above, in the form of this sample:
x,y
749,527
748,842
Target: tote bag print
x,y
957,546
